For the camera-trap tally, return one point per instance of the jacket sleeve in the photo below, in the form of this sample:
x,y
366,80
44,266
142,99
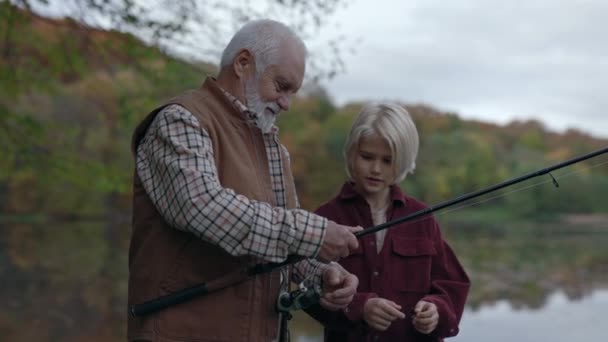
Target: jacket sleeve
x,y
449,287
352,316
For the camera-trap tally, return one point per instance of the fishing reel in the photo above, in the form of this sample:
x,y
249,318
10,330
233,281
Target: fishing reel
x,y
301,298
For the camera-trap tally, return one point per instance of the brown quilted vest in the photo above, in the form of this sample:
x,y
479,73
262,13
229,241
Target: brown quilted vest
x,y
163,260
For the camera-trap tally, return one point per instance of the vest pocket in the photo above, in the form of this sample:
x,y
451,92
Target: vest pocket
x,y
171,281
410,264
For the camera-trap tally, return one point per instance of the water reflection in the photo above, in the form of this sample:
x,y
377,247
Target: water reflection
x,y
531,282
541,282
524,263
560,320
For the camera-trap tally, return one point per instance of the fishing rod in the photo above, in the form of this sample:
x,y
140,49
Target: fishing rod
x,y
241,275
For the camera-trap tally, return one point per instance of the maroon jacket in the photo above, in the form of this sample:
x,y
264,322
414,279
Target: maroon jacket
x,y
415,263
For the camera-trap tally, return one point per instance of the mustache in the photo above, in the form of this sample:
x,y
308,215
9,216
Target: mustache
x,y
254,101
274,107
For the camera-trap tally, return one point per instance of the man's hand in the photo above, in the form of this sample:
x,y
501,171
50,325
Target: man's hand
x,y
339,287
379,313
425,317
338,243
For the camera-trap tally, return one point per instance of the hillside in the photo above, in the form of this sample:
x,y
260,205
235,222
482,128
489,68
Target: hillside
x,y
71,96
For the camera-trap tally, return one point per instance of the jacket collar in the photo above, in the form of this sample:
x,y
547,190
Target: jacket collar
x,y
348,192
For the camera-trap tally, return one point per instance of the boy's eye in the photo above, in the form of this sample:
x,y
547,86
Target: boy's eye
x,y
387,161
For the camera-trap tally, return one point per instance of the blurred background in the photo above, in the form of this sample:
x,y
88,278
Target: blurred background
x,y
496,90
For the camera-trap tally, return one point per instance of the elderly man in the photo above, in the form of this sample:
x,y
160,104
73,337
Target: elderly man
x,y
213,192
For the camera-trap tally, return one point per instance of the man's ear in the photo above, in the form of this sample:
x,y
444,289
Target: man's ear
x,y
243,63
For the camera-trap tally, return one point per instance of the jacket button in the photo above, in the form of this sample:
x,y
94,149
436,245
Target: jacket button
x,y
375,273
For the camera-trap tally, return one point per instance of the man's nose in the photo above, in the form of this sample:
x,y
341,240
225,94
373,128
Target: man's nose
x,y
283,102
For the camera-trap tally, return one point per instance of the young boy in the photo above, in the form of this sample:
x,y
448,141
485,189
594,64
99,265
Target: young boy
x,y
411,285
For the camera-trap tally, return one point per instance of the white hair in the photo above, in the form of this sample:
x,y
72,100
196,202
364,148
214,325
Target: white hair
x,y
394,124
264,39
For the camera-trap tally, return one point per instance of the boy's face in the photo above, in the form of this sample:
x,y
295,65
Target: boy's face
x,y
373,170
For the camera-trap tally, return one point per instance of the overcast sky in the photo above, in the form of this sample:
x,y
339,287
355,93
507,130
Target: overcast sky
x,y
492,60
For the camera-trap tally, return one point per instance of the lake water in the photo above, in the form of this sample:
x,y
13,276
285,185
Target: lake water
x,y
531,282
560,320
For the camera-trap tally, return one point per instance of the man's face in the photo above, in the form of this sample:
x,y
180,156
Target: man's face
x,y
270,92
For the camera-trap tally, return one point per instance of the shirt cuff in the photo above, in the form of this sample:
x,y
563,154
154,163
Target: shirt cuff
x,y
308,235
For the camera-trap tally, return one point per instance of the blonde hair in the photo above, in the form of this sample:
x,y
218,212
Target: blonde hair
x,y
394,124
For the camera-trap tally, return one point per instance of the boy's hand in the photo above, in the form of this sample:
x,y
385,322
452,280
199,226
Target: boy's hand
x,y
425,317
379,313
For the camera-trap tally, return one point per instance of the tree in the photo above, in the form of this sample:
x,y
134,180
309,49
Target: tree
x,y
74,87
198,30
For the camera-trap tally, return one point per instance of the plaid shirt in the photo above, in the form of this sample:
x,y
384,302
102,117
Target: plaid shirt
x,y
176,167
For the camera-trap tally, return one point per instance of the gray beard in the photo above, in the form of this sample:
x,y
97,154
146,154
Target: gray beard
x,y
265,121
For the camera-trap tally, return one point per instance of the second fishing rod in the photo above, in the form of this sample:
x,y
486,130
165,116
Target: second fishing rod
x,y
242,274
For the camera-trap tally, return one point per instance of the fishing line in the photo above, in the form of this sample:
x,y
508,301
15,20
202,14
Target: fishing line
x,y
447,211
567,174
505,194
